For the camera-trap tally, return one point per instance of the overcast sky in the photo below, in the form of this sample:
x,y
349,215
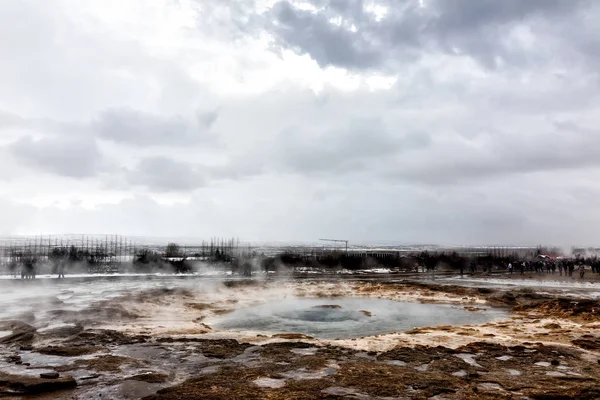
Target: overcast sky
x,y
449,122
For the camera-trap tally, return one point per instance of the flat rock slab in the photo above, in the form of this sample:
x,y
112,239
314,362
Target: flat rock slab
x,y
49,375
24,384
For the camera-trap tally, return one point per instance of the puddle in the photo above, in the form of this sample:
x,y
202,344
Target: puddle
x,y
345,318
57,325
36,359
543,364
397,363
488,386
422,368
303,374
305,352
269,383
344,392
469,359
24,370
5,333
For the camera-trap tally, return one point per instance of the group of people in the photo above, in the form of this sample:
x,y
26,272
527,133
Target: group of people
x,y
564,266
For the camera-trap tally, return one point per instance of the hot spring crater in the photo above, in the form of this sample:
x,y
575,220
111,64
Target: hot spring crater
x,y
347,318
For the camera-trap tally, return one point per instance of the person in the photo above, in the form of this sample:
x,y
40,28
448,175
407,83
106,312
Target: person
x,y
581,271
523,268
571,268
61,271
510,268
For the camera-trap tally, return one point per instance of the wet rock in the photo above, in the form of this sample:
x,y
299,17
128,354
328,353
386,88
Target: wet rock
x,y
26,317
103,311
198,306
503,299
95,337
474,309
69,351
222,348
415,355
418,331
28,385
22,333
89,377
106,363
328,306
552,326
63,331
108,311
292,336
222,311
49,375
160,295
152,377
587,344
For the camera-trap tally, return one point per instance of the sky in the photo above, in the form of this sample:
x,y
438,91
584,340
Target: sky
x,y
409,121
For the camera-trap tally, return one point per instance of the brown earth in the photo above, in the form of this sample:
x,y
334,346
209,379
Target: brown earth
x,y
424,372
581,310
464,366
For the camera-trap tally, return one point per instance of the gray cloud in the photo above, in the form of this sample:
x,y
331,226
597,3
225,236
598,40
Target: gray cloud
x,y
567,147
8,119
72,156
163,174
143,129
345,149
489,129
478,29
326,43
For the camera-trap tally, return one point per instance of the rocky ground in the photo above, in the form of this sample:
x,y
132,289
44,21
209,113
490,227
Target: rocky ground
x,y
158,345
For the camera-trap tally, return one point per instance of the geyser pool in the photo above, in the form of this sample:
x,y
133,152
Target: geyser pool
x,y
347,318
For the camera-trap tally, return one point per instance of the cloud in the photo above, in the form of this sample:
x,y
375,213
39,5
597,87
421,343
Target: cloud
x,y
70,156
345,149
8,119
163,175
144,129
553,147
351,35
297,119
